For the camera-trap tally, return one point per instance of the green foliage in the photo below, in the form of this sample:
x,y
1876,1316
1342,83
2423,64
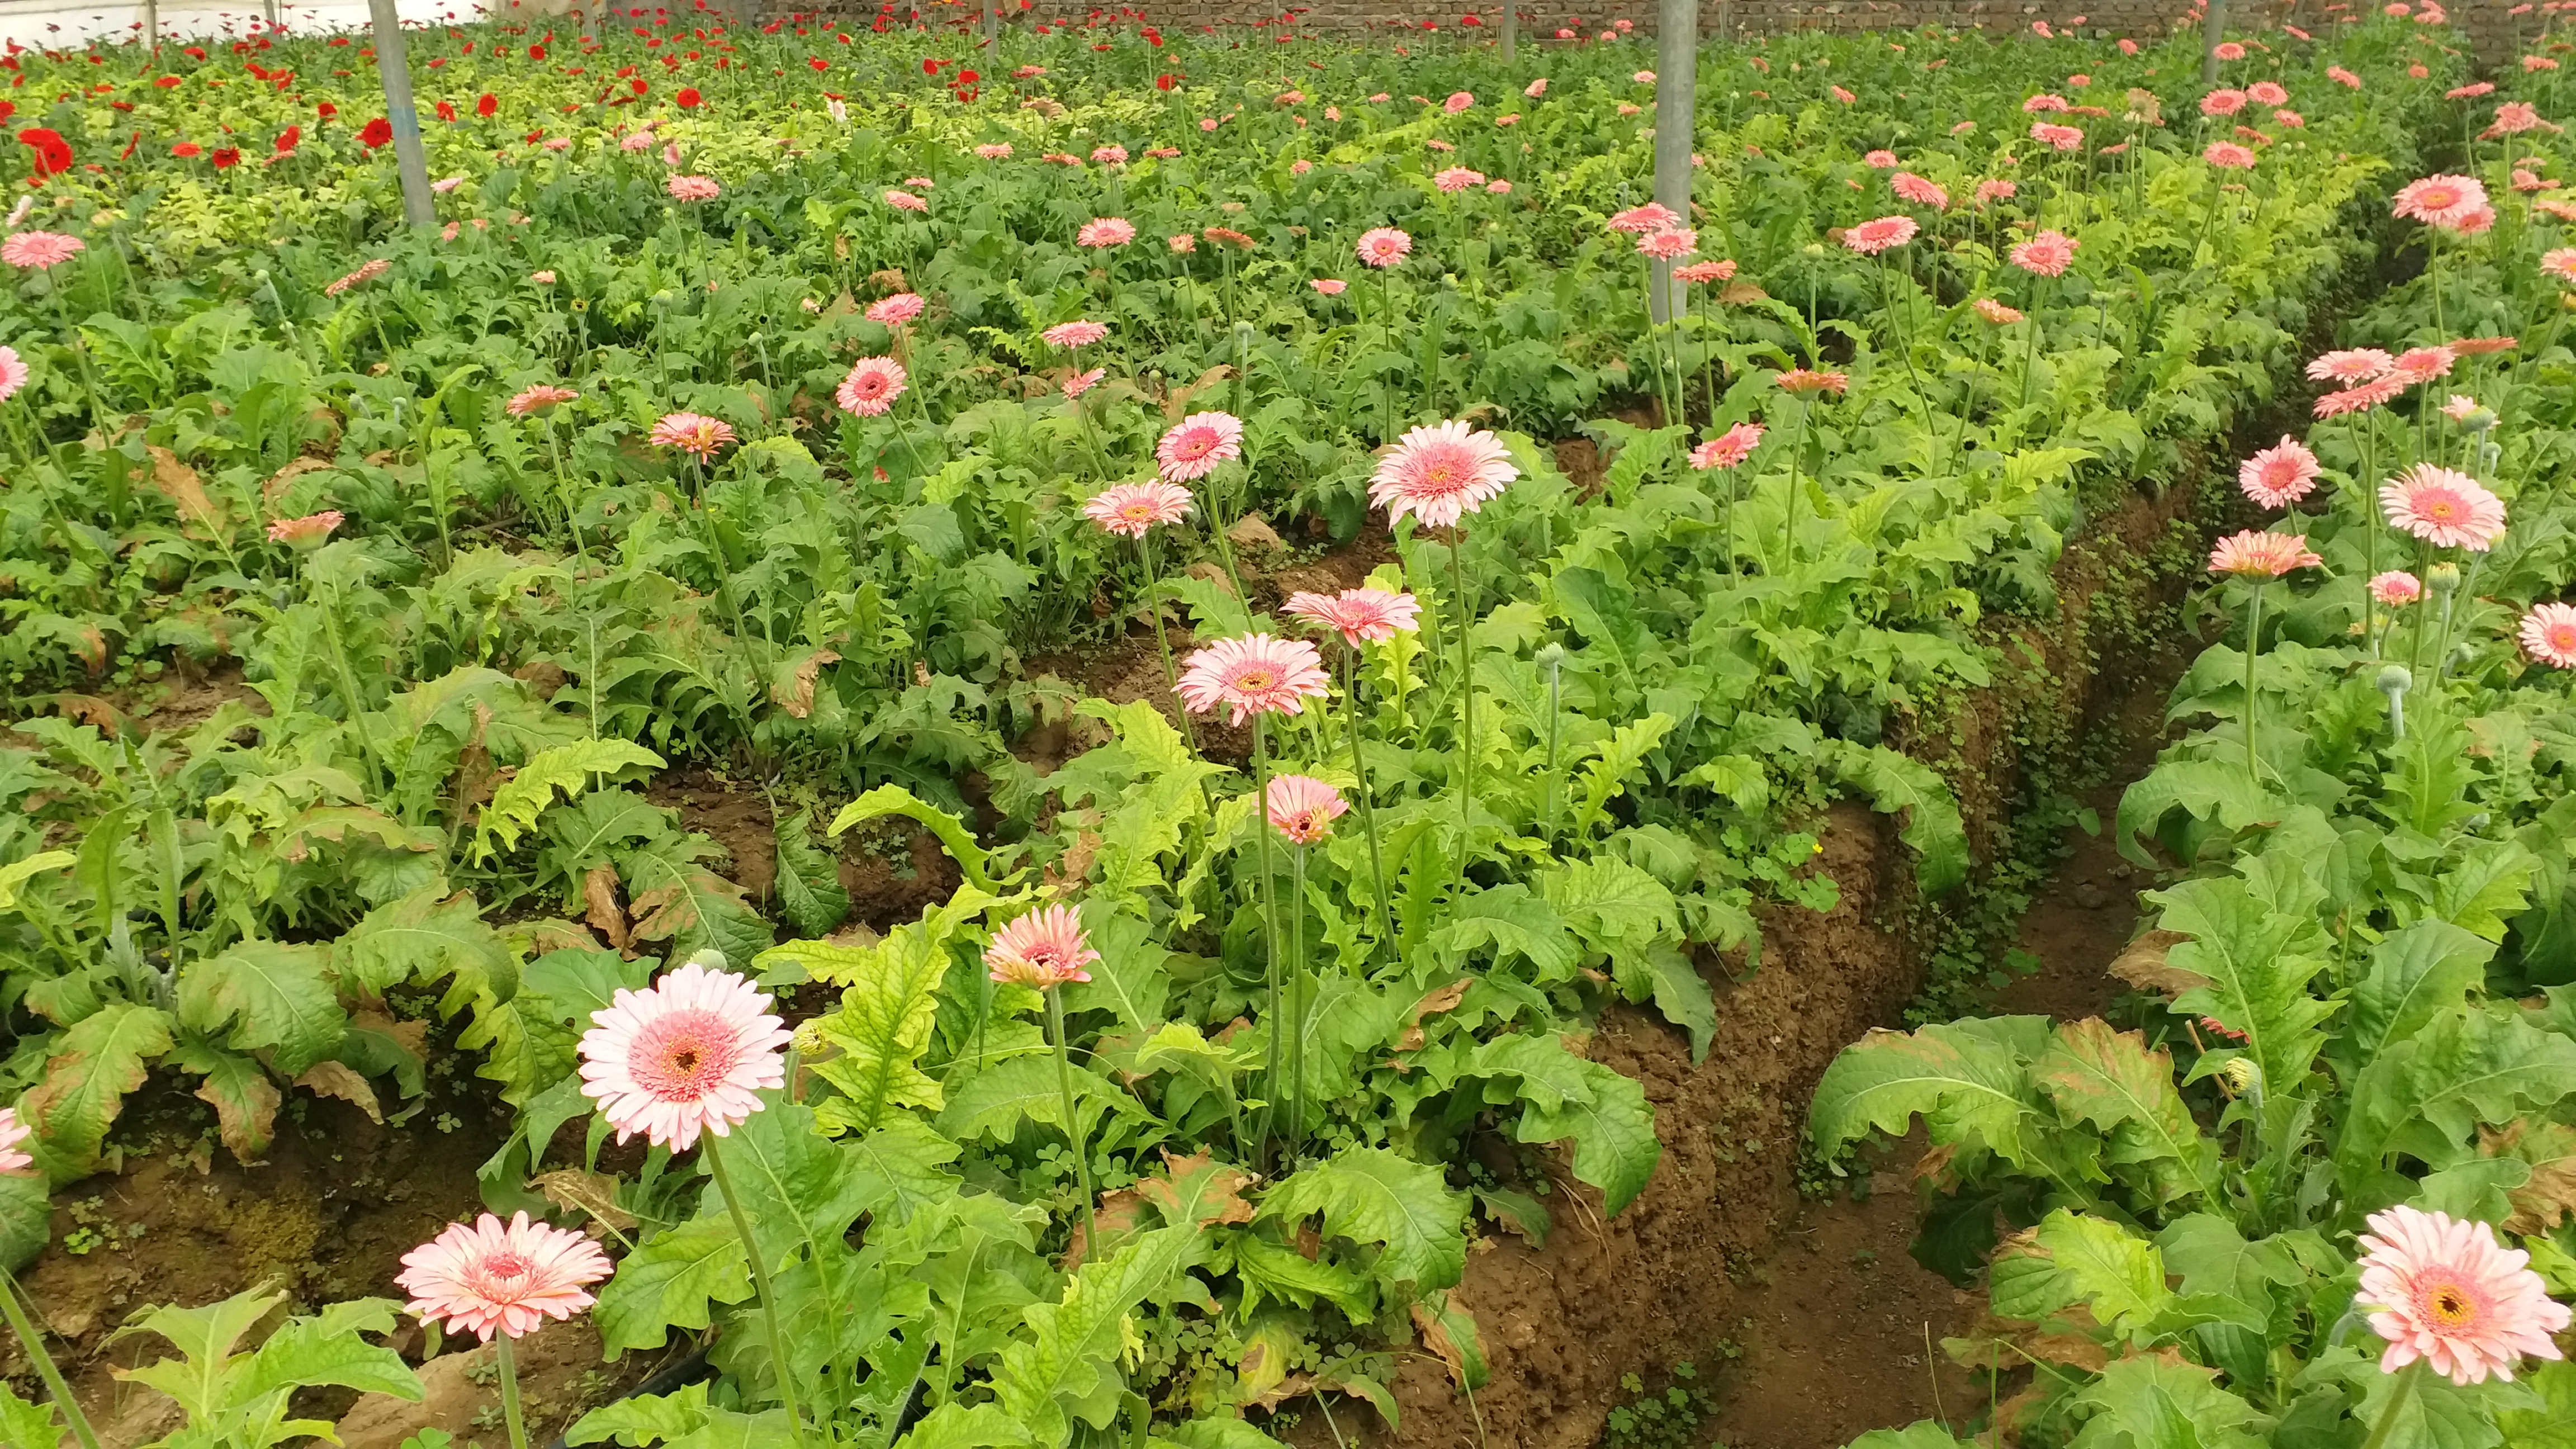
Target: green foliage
x,y
235,1396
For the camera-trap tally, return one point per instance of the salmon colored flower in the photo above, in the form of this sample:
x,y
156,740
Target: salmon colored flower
x,y
1458,101
41,250
2443,201
13,373
683,1056
2228,156
2396,588
1132,510
1440,474
307,533
906,201
2057,137
2267,93
1106,231
1185,242
1197,444
1869,238
1996,189
2444,508
1803,380
539,398
2356,364
1996,312
1653,216
505,1277
1384,246
1455,179
1913,188
2252,555
2279,475
691,433
692,188
871,387
2047,254
2343,77
1361,615
1256,674
1708,271
2445,1291
896,310
1728,448
1667,245
2359,399
1329,286
2222,102
1880,160
1043,949
1077,333
13,1132
2548,634
2422,364
1083,382
994,151
1302,807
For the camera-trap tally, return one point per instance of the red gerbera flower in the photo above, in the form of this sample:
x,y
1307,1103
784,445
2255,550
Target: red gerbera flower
x,y
486,104
376,133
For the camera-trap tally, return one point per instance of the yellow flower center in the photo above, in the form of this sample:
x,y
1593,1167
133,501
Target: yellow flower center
x,y
1253,680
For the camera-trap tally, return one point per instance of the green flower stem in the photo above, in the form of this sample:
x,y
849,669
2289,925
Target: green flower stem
x,y
563,491
502,1354
2253,648
34,1339
1466,706
1789,505
1368,810
80,354
2370,526
1072,1123
780,1368
1297,993
1269,928
1162,640
2388,1416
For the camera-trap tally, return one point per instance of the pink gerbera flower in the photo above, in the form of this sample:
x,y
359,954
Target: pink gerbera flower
x,y
1880,160
994,151
1083,382
1805,380
2549,634
495,1276
691,433
2057,137
1383,246
1302,807
1329,286
682,1056
1362,615
2223,102
692,188
41,249
1709,271
1256,674
1440,474
539,398
2396,588
306,533
1044,948
1996,312
906,201
2267,93
1653,216
896,310
1105,231
2047,254
2359,399
2353,364
2446,509
2252,555
1869,238
2444,201
2279,475
1133,509
13,373
2447,1292
2228,156
1194,446
1457,178
1913,188
871,387
2422,364
13,1132
1679,241
1077,333
1728,448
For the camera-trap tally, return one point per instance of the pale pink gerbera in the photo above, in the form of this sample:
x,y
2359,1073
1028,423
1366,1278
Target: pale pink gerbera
x,y
1187,241
2057,137
2354,364
1458,101
1083,382
2444,508
682,1056
1995,189
539,398
1044,948
995,151
1134,509
2460,408
1105,231
1666,245
1996,312
1869,238
2251,555
2444,201
509,1277
1109,155
693,188
1329,286
13,373
1256,674
2279,475
2047,254
1363,616
2447,1292
1383,246
1653,216
2396,588
2422,364
1806,380
1077,333
2549,634
2360,399
1728,448
691,433
906,201
367,271
2267,93
1440,474
1709,271
1302,807
1195,445
13,1132
2222,103
1913,188
40,249
1457,178
896,310
2228,156
871,387
305,533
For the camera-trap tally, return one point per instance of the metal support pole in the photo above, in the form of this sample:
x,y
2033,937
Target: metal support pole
x,y
1676,127
152,34
2212,31
992,27
395,71
269,8
1511,29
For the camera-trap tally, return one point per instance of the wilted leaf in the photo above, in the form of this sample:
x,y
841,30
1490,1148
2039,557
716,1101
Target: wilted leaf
x,y
594,1193
2143,965
336,1079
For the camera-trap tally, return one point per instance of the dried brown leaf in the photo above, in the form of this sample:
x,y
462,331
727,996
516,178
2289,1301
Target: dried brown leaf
x,y
2143,965
338,1079
606,916
594,1193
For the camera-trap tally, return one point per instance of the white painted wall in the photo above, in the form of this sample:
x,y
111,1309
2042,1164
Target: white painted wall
x,y
40,23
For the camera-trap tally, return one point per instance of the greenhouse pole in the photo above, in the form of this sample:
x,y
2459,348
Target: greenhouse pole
x,y
993,27
2212,31
1676,124
1511,29
395,71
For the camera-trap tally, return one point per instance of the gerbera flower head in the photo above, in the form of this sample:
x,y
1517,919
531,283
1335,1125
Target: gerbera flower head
x,y
2228,156
500,1277
1457,178
1913,188
2359,399
2355,364
2057,137
1653,216
1708,271
1805,380
2343,77
1728,448
1194,446
691,433
896,310
2481,346
692,188
2396,588
2222,102
871,387
1134,509
1083,382
539,398
1869,238
1669,244
1441,473
13,1132
2279,475
2422,364
1383,246
2548,634
2447,1292
1996,312
1046,947
1105,231
1880,160
2047,254
1256,674
1370,616
1329,286
994,151
683,1056
1996,189
1079,332
40,249
906,201
2267,93
13,373
2444,201
2252,555
307,533
2443,507
1302,807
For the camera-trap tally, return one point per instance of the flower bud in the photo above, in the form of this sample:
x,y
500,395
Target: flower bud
x,y
2242,1074
2395,680
2443,578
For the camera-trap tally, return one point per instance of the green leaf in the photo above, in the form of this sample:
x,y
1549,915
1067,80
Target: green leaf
x,y
17,872
1514,923
200,1379
1449,1331
2110,1079
1374,1195
2415,974
1067,1367
972,859
902,1166
809,880
2121,1275
326,1349
30,1426
2426,1095
2213,1257
1933,828
2150,1402
1128,980
2486,889
1970,1081
676,900
668,1282
244,1099
26,1218
2257,984
1291,1276
994,1102
889,1004
1924,1434
94,1064
1603,777
1613,1128
265,995
427,937
513,809
2552,1424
